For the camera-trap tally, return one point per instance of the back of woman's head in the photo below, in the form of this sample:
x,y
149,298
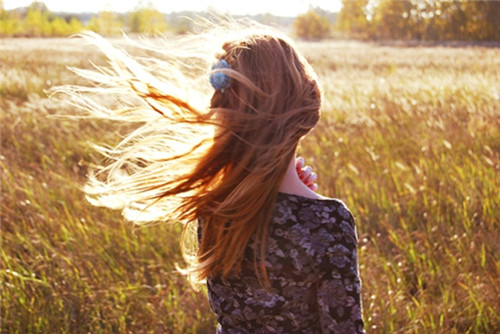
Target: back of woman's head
x,y
273,97
272,101
222,162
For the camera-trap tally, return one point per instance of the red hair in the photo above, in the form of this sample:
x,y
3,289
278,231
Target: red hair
x,y
229,175
272,102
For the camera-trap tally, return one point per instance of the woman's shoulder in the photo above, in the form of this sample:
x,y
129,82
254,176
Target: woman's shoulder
x,y
317,201
318,210
318,225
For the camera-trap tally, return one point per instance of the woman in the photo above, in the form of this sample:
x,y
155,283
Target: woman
x,y
277,257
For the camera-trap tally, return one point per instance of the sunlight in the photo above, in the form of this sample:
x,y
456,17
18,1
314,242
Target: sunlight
x,y
278,8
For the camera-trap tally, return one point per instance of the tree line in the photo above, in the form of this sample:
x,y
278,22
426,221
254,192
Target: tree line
x,y
432,20
429,20
38,21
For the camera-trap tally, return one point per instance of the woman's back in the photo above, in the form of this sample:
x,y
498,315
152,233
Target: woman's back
x,y
312,266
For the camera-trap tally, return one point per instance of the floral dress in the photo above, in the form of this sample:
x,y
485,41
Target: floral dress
x,y
311,262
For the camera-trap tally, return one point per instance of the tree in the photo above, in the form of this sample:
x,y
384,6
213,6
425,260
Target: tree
x,y
311,25
10,23
482,19
75,26
493,21
107,23
147,21
60,27
393,19
352,17
36,23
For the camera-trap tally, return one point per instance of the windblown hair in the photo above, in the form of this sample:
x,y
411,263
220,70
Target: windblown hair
x,y
221,162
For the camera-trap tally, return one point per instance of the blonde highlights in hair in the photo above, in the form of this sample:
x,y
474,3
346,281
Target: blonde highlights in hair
x,y
221,162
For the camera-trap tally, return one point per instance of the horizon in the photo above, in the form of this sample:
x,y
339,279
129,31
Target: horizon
x,y
290,9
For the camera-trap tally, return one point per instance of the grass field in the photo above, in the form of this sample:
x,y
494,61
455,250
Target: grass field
x,y
409,139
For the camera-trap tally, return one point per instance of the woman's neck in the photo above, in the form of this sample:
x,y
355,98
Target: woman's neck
x,y
292,184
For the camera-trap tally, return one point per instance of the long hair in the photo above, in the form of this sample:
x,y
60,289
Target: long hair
x,y
220,163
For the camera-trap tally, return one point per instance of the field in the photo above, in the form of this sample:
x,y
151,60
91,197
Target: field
x,y
409,139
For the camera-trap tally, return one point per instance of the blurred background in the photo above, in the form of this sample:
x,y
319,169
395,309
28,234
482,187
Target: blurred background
x,y
422,20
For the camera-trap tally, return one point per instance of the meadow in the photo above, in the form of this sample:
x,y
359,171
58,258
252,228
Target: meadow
x,y
409,139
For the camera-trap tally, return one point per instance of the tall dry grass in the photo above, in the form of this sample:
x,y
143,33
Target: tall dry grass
x,y
409,139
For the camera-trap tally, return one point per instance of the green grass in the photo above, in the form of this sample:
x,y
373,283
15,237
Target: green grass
x,y
409,139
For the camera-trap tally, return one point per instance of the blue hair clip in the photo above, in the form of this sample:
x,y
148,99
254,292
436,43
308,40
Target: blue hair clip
x,y
219,80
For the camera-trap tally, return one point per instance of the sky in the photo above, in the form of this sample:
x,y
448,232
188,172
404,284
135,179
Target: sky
x,y
248,7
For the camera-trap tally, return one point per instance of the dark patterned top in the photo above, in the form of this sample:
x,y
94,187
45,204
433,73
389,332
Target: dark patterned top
x,y
312,265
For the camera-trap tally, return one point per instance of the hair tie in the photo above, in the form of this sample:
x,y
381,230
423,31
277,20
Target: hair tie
x,y
218,79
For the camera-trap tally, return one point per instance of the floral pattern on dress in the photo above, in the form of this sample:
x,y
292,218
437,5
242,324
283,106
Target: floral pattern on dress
x,y
312,265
